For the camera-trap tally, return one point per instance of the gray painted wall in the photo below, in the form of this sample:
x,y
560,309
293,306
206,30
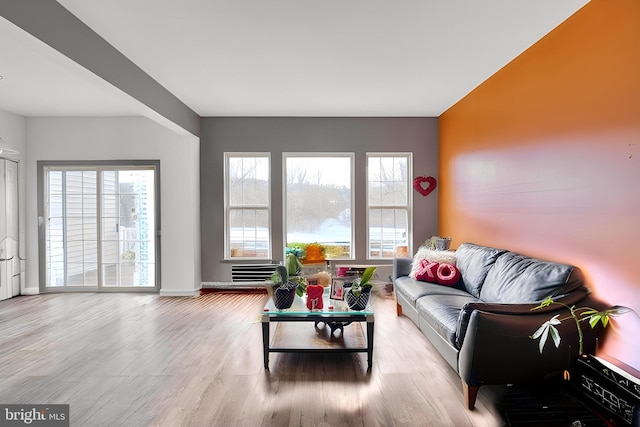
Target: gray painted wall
x,y
300,134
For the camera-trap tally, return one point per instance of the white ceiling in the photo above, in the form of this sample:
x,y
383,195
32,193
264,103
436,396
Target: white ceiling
x,y
39,81
281,57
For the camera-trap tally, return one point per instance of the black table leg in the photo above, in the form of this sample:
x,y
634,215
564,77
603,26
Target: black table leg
x,y
369,342
265,341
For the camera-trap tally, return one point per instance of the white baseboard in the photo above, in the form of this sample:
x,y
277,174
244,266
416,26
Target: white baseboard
x,y
30,291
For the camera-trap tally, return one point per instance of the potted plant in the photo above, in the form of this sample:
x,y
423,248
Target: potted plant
x,y
578,315
358,294
287,282
438,243
294,267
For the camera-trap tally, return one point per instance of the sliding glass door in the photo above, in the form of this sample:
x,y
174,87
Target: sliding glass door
x,y
100,227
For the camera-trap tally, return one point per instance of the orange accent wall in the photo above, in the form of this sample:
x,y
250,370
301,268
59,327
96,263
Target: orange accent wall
x,y
543,158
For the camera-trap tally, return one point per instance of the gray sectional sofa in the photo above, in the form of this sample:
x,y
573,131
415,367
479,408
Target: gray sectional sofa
x,y
482,325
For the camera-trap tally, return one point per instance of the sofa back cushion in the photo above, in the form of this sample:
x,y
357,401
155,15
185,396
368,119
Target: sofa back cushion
x,y
474,262
518,279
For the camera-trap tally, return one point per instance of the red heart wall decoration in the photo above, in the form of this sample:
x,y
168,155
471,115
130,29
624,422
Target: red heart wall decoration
x,y
419,184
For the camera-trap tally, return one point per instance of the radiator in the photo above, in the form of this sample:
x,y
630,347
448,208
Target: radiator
x,y
243,273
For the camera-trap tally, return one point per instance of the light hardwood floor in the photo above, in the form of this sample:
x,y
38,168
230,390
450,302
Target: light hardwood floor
x,y
146,360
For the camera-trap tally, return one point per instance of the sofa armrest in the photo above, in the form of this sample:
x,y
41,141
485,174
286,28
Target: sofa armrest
x,y
498,348
570,299
402,267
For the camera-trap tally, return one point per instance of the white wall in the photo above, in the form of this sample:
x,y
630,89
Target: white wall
x,y
13,134
127,138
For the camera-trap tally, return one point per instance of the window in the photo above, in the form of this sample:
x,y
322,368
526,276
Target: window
x,y
248,205
318,201
388,204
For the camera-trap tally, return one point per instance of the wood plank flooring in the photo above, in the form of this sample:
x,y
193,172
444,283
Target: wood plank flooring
x,y
146,360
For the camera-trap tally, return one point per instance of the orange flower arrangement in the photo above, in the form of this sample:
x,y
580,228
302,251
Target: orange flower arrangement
x,y
314,253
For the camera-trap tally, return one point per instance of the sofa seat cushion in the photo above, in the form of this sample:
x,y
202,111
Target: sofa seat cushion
x,y
412,289
519,279
441,312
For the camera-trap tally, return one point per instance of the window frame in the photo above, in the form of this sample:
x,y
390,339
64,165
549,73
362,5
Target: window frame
x,y
228,208
408,207
352,160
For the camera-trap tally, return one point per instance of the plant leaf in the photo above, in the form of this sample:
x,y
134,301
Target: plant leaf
x,y
293,265
544,330
618,309
281,271
555,335
367,274
599,316
588,312
543,338
543,304
539,331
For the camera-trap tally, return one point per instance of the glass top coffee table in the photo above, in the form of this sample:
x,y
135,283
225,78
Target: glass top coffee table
x,y
294,334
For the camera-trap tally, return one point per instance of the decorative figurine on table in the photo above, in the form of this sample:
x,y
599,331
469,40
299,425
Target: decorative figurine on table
x,y
314,295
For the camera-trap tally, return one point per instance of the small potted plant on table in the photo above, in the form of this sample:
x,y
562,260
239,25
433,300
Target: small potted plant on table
x,y
358,294
287,282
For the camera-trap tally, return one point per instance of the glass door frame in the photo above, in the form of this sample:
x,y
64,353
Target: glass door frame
x,y
100,166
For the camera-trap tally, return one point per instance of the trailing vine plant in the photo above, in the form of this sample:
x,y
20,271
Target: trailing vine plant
x,y
577,314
